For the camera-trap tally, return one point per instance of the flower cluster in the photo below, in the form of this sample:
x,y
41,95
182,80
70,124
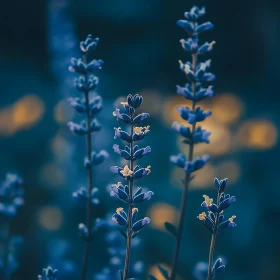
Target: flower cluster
x,y
11,198
11,195
131,153
48,274
195,90
215,221
89,105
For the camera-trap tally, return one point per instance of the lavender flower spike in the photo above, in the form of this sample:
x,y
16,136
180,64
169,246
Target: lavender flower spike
x,y
196,89
215,222
130,172
90,105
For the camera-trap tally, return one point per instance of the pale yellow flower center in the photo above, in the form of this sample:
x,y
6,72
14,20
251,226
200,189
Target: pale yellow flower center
x,y
118,184
201,216
185,67
124,104
208,200
126,171
119,210
232,218
138,130
134,210
148,169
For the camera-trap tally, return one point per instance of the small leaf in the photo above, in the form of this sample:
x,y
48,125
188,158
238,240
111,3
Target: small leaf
x,y
121,274
163,272
123,233
170,228
151,277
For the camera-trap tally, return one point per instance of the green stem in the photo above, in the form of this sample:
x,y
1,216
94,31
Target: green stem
x,y
186,187
130,207
213,240
90,182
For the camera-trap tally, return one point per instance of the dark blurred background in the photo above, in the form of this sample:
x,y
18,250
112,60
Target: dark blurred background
x,y
139,43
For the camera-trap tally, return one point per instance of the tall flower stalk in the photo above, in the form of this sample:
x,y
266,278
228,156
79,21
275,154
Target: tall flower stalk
x,y
90,105
215,222
11,198
130,172
195,90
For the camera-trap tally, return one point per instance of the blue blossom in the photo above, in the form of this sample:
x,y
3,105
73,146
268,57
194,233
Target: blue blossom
x,y
128,174
196,164
218,267
11,195
134,101
77,104
81,196
120,217
195,13
193,116
78,129
98,158
201,94
141,196
220,184
121,191
48,274
215,221
89,44
82,84
179,160
137,152
78,66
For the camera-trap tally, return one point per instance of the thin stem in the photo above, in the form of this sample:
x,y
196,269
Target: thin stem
x,y
213,240
90,181
186,187
129,226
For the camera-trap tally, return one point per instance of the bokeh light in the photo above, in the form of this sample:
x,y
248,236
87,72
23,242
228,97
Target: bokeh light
x,y
160,213
259,134
227,108
228,169
62,112
51,218
25,113
156,273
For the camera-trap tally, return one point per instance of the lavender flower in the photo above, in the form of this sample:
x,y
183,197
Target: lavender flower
x,y
130,173
48,274
11,198
215,221
90,105
195,90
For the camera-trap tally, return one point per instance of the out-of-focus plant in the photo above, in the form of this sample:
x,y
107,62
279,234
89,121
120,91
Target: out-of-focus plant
x,y
116,251
130,172
194,90
48,274
11,198
90,105
215,221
